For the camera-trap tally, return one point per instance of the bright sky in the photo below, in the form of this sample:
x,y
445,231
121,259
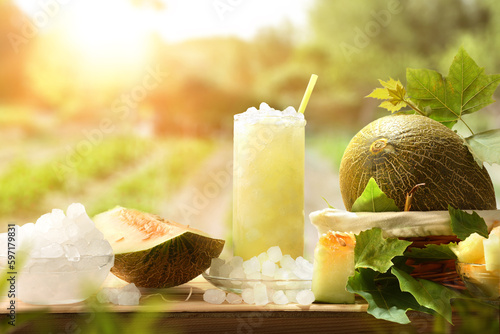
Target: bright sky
x,y
181,19
243,18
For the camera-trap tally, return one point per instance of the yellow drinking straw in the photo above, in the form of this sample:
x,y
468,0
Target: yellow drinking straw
x,y
308,92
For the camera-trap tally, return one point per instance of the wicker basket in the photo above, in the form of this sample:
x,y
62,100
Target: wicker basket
x,y
442,272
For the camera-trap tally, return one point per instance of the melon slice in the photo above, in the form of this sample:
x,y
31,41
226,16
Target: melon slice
x,y
492,250
153,252
333,264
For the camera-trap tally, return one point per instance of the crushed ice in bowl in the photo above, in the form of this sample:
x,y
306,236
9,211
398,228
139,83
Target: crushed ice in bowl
x,y
66,257
270,277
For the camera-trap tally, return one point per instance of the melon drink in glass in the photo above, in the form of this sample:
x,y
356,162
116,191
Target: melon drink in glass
x,y
268,181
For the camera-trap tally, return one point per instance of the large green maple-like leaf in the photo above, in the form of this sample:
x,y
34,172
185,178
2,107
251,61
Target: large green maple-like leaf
x,y
373,199
464,224
465,90
427,293
374,251
485,146
385,301
432,252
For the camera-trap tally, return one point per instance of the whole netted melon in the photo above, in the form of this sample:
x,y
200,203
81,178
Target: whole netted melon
x,y
402,151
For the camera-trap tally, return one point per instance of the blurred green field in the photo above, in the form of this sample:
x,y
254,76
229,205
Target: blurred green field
x,y
130,171
126,170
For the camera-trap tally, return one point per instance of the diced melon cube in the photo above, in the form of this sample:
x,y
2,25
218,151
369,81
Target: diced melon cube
x,y
333,264
471,249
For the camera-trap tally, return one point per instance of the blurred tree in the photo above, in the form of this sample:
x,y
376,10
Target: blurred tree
x,y
365,41
209,81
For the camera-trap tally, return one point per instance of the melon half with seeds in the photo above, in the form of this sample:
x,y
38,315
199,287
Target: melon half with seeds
x,y
153,252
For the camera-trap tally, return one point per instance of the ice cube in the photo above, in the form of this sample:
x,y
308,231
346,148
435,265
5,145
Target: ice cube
x,y
260,294
27,236
289,111
85,224
304,268
264,106
236,261
251,266
225,270
214,296
71,252
57,217
255,277
287,262
44,223
233,298
56,235
71,230
263,257
129,295
237,273
74,210
275,254
51,251
98,248
248,296
108,295
94,234
282,274
280,298
215,265
268,268
305,297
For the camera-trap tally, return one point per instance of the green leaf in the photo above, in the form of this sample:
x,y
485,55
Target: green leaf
x,y
384,297
393,92
485,146
373,200
432,252
466,89
464,224
427,293
374,251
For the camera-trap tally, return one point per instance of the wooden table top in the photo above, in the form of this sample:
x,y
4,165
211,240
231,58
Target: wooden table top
x,y
182,310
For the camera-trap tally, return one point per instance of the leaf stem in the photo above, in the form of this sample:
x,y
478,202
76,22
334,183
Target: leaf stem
x,y
468,127
414,107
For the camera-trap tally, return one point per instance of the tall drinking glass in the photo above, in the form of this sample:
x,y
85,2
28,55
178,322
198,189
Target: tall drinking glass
x,y
268,182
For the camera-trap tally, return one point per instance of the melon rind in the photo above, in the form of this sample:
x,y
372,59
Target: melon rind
x,y
171,263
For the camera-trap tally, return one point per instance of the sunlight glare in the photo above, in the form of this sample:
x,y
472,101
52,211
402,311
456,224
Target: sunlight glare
x,y
108,32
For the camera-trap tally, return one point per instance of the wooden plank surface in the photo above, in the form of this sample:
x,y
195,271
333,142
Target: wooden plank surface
x,y
172,309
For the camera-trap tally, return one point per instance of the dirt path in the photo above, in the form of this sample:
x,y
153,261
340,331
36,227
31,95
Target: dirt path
x,y
205,201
